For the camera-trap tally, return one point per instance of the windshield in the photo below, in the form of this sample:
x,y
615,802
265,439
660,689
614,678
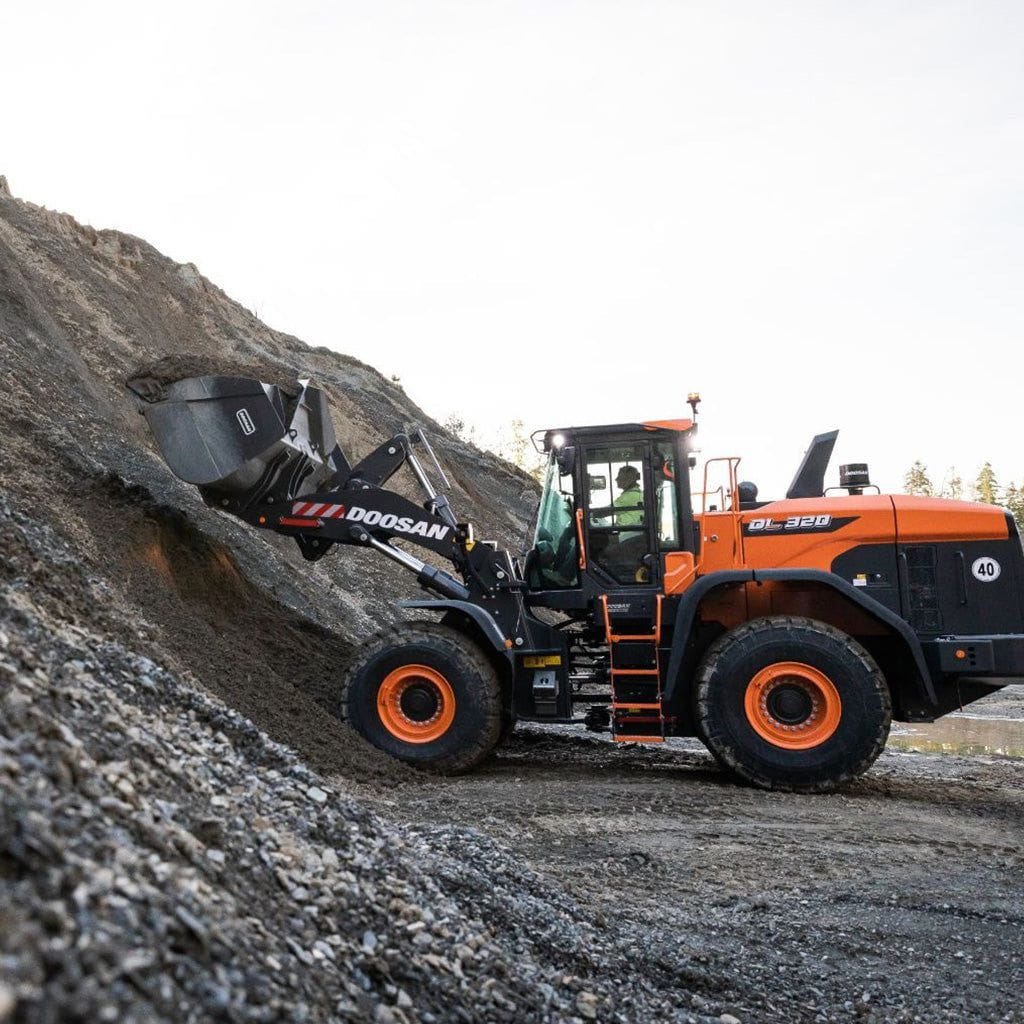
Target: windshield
x,y
557,558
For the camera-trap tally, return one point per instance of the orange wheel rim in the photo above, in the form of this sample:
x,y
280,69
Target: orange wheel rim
x,y
416,704
793,705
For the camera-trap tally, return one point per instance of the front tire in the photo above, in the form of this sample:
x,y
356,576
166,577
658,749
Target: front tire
x,y
427,695
792,704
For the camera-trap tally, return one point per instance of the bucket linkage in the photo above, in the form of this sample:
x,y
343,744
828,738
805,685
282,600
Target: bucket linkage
x,y
268,454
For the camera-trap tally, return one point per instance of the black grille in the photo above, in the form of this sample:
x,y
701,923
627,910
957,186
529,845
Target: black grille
x,y
923,597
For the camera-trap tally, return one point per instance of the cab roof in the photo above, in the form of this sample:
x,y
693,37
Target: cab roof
x,y
570,435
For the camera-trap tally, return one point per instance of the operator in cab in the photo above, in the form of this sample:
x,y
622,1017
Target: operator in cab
x,y
619,543
631,498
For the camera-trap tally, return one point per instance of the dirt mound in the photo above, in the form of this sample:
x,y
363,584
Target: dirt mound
x,y
161,857
81,312
168,369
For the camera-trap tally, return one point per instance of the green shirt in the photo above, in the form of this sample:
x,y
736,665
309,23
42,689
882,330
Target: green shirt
x,y
629,498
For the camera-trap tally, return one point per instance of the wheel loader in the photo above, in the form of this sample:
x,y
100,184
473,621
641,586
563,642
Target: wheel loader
x,y
786,634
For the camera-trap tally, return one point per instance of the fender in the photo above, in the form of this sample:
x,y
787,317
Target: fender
x,y
690,601
479,615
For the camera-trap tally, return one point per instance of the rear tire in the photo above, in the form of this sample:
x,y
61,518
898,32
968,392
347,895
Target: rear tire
x,y
792,704
427,695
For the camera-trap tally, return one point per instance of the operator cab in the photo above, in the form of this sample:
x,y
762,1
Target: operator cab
x,y
615,502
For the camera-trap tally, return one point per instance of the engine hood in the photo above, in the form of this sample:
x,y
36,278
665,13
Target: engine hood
x,y
813,532
921,520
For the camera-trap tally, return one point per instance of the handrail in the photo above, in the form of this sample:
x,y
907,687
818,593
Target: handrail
x,y
734,501
703,495
579,539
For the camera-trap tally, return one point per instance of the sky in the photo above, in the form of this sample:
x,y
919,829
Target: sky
x,y
571,213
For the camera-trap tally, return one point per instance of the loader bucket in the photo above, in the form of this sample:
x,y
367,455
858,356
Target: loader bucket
x,y
241,441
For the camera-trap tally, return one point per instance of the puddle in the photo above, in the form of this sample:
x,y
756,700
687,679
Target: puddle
x,y
961,734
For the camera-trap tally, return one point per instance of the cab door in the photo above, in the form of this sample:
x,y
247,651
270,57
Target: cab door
x,y
614,517
555,561
621,514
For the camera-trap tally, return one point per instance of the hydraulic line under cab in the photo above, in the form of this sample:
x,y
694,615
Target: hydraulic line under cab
x,y
785,634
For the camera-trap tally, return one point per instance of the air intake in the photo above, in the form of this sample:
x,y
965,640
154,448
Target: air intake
x,y
854,477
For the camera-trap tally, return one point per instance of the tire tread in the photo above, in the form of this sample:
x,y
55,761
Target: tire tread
x,y
726,751
450,641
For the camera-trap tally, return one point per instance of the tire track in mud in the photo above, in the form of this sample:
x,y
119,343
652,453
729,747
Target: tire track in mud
x,y
903,885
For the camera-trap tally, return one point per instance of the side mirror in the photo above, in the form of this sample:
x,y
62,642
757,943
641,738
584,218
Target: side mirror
x,y
566,459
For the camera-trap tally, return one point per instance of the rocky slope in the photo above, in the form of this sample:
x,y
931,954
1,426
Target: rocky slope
x,y
162,859
159,855
187,832
80,310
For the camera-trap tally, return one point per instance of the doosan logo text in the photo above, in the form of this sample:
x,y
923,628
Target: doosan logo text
x,y
245,422
400,524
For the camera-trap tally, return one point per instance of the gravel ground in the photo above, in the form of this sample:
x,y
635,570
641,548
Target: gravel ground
x,y
162,859
898,899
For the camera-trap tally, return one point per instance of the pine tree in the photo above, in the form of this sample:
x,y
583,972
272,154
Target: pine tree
x,y
954,485
1013,499
917,481
986,487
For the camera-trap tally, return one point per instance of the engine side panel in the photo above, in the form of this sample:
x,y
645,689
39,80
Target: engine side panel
x,y
946,567
811,533
962,567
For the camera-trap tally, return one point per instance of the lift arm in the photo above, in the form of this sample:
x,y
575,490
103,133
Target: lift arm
x,y
268,455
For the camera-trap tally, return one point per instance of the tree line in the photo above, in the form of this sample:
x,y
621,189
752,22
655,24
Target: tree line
x,y
510,442
985,488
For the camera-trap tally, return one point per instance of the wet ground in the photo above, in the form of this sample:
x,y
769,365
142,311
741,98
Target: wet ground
x,y
962,734
899,898
994,725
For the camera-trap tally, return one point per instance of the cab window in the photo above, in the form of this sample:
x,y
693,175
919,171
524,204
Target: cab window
x,y
556,558
616,499
666,506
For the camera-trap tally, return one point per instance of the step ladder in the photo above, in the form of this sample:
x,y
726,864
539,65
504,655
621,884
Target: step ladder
x,y
637,713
